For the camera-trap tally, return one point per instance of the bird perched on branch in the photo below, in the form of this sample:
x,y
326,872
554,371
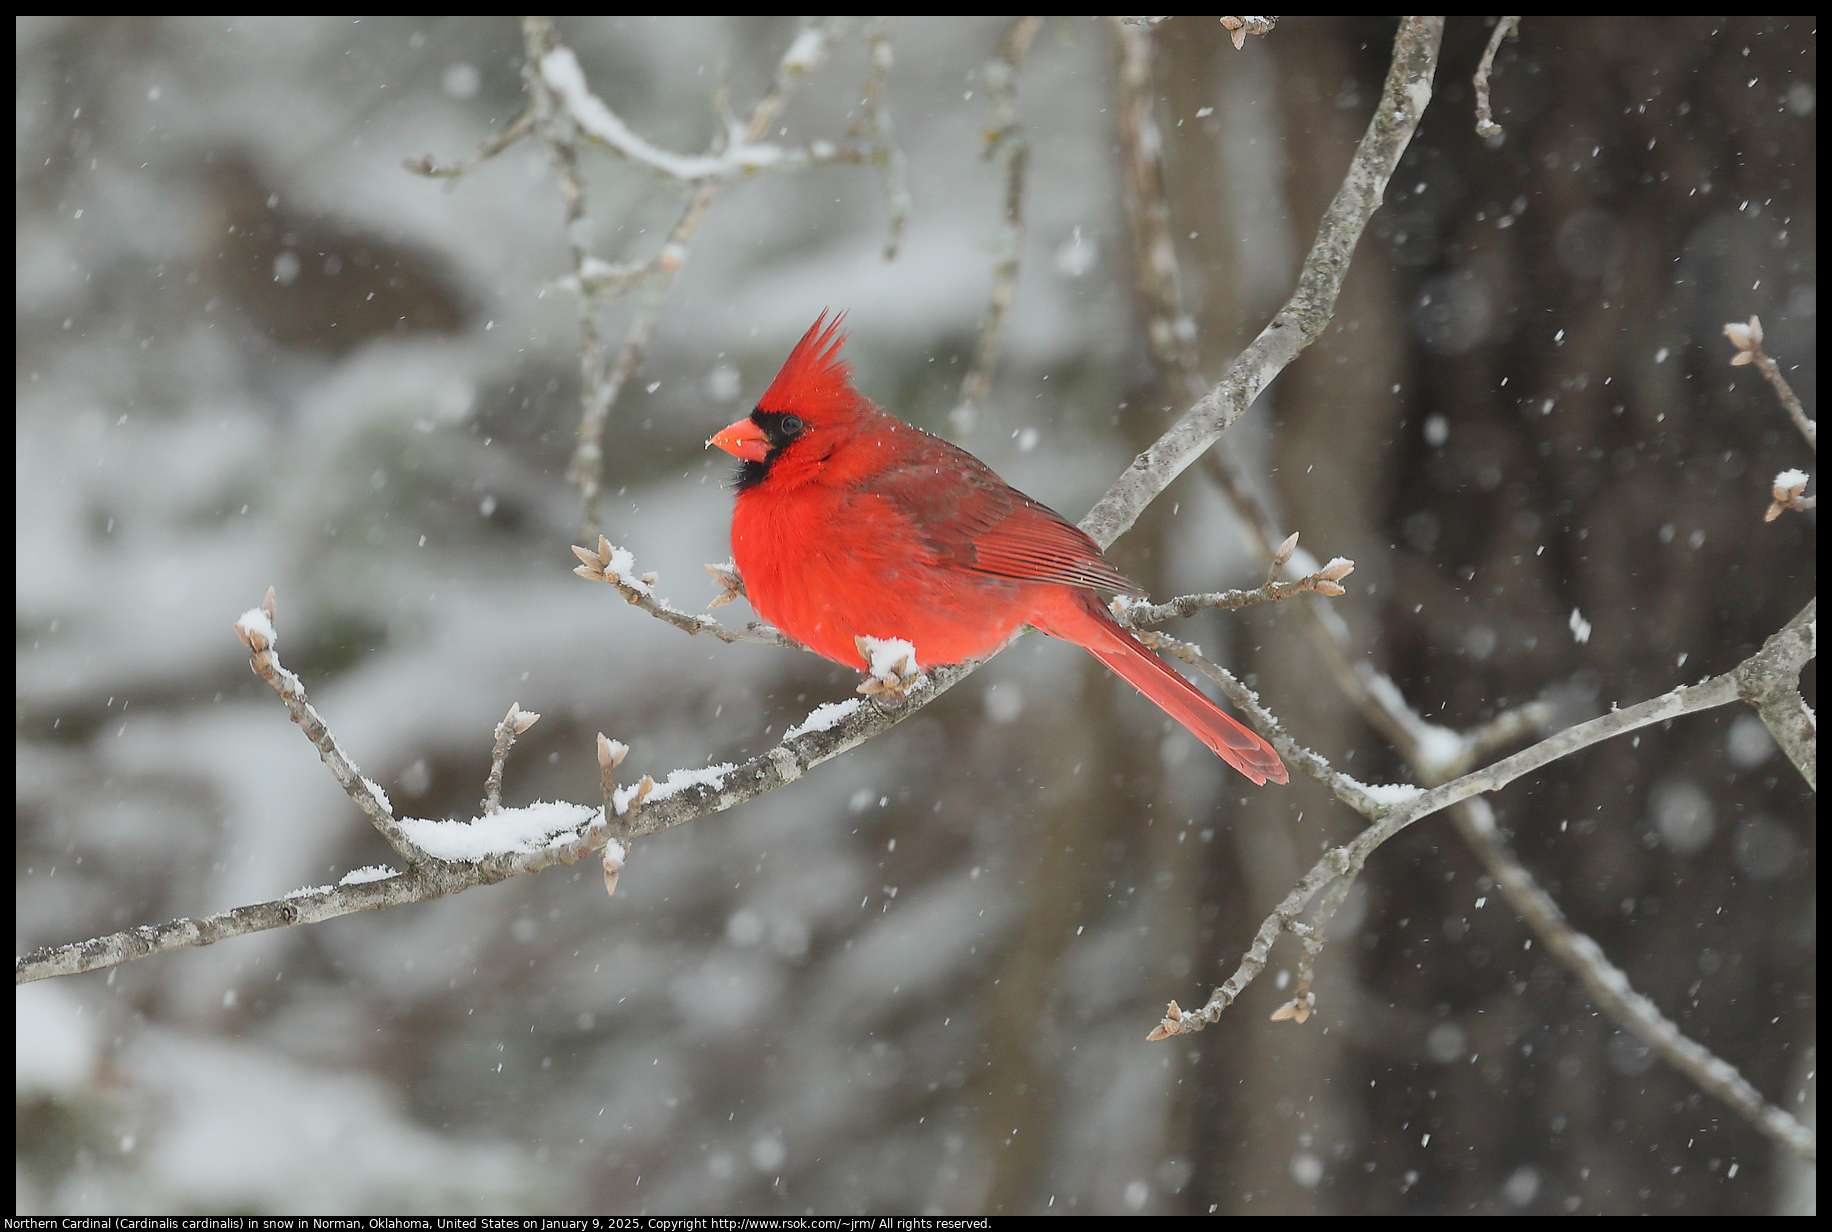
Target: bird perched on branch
x,y
852,527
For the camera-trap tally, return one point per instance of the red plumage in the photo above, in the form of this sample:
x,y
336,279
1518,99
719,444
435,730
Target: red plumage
x,y
850,522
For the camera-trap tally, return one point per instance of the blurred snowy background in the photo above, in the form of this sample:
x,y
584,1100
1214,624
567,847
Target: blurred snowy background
x,y
252,350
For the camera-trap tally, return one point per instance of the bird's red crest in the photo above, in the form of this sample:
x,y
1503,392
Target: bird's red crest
x,y
814,378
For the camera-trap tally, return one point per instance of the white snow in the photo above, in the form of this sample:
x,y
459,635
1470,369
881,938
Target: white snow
x,y
825,717
622,566
561,70
1580,628
677,780
254,621
381,795
368,872
807,51
891,656
523,830
1391,794
1438,746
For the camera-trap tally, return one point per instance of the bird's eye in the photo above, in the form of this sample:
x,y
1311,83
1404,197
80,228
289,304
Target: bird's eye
x,y
792,425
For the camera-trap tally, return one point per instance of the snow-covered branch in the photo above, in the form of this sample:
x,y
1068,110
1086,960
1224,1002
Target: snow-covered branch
x,y
442,857
618,567
447,856
741,155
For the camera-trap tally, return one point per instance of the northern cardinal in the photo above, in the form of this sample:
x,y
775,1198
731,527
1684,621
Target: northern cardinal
x,y
850,523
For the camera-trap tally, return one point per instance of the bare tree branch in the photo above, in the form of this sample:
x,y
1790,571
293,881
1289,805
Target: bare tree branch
x,y
885,154
1485,115
1307,313
256,628
1609,986
1170,328
305,907
1417,804
514,724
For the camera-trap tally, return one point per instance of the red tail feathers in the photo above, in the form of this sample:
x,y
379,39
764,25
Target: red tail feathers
x,y
1089,626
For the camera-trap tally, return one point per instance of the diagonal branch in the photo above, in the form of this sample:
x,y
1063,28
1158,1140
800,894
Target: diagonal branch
x,y
1307,313
1747,338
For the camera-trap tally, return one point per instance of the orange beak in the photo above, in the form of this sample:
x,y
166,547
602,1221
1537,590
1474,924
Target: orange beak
x,y
744,440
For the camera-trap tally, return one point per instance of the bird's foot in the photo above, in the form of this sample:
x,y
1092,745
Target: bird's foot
x,y
888,678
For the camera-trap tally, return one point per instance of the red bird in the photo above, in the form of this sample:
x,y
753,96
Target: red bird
x,y
850,523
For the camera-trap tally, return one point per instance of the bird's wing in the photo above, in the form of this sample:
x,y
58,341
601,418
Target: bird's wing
x,y
974,520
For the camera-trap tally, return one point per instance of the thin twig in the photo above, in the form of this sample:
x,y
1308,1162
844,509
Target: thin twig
x,y
1005,131
1325,581
1485,117
884,153
1172,332
616,566
514,724
308,907
1747,338
521,126
257,629
1355,795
